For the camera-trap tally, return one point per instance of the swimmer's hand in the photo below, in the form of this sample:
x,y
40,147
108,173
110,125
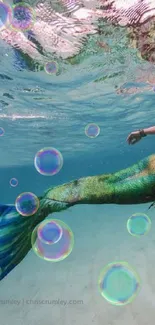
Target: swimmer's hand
x,y
134,137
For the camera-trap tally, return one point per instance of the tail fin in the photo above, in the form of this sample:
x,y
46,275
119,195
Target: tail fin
x,y
15,238
16,230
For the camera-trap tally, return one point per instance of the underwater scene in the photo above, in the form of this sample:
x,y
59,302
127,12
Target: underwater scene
x,y
77,167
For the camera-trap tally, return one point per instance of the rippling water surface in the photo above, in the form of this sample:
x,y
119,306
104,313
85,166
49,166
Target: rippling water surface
x,y
39,109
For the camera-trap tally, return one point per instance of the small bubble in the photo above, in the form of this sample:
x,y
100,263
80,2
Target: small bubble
x,y
27,204
138,224
92,130
50,232
13,182
48,161
51,67
23,17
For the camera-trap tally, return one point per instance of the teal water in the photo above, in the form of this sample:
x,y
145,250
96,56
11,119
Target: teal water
x,y
39,110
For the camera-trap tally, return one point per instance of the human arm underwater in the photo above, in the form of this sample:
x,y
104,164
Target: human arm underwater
x,y
138,135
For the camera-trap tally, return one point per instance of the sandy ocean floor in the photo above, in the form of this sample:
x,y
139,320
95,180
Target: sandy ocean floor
x,y
38,292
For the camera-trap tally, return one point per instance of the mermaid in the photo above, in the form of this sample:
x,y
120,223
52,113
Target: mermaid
x,y
133,185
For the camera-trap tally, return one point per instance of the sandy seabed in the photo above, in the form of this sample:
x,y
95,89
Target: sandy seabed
x,y
38,292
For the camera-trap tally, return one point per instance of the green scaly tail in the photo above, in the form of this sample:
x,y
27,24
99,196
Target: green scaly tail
x,y
133,185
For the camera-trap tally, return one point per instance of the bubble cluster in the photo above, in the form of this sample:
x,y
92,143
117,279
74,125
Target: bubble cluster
x,y
27,204
1,132
119,284
138,224
22,17
48,161
92,130
13,182
51,67
52,240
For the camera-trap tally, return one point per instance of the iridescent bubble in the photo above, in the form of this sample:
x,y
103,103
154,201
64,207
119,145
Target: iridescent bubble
x,y
48,161
52,246
13,182
50,232
22,17
92,130
119,284
27,204
138,224
1,132
5,15
51,67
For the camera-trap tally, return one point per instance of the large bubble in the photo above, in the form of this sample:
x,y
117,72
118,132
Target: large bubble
x,y
52,240
27,204
92,130
119,284
138,224
48,161
22,17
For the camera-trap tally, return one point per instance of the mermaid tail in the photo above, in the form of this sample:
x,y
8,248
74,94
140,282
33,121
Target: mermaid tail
x,y
15,233
133,185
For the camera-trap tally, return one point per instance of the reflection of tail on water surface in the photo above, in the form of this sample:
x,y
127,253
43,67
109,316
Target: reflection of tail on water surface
x,y
63,27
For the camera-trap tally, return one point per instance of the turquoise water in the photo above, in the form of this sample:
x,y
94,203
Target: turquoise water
x,y
39,110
